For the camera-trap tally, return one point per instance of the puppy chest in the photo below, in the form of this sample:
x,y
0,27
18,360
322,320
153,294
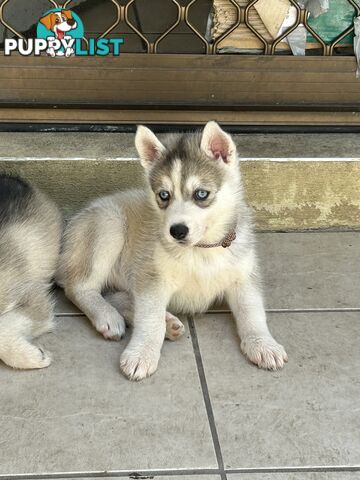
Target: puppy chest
x,y
199,285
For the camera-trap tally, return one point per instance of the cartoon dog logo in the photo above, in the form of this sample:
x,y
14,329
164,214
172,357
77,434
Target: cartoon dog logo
x,y
59,22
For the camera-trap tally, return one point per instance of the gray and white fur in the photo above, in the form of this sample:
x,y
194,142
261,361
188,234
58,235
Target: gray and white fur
x,y
143,246
30,234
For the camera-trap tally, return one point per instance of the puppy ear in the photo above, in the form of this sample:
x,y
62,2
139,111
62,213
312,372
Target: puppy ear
x,y
67,14
148,146
48,21
217,144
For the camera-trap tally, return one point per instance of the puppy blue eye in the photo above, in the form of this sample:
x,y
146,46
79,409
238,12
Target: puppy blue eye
x,y
164,195
201,194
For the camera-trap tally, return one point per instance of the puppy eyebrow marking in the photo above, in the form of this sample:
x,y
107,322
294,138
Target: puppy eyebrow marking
x,y
192,183
166,183
176,178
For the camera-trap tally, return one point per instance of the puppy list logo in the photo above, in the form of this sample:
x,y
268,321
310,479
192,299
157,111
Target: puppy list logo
x,y
60,33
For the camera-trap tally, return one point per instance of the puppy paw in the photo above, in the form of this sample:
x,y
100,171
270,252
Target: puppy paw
x,y
264,351
137,364
45,359
28,357
174,328
112,328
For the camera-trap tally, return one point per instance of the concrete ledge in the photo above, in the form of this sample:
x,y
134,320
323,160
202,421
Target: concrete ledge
x,y
293,182
110,146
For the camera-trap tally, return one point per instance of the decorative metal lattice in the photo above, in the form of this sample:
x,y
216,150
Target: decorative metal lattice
x,y
187,21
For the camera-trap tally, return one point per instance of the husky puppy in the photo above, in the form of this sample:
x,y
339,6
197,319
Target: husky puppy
x,y
163,247
30,233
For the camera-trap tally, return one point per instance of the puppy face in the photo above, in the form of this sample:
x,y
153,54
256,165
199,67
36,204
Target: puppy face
x,y
191,181
59,22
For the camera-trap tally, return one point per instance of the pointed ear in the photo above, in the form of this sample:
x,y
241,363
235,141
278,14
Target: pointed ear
x,y
148,146
218,144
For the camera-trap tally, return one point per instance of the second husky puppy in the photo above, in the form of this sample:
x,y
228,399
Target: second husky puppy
x,y
163,247
30,233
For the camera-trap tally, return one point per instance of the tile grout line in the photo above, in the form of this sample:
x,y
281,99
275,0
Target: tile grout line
x,y
206,397
268,310
102,474
299,469
151,473
299,310
338,230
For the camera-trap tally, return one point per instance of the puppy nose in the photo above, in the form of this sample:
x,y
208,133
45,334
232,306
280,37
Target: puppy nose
x,y
71,22
179,231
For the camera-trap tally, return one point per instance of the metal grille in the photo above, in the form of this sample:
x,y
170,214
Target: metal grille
x,y
163,26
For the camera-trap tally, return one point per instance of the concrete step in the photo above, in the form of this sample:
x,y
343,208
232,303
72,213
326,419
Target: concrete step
x,y
293,181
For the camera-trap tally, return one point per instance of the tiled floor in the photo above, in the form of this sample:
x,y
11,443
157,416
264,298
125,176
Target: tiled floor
x,y
207,413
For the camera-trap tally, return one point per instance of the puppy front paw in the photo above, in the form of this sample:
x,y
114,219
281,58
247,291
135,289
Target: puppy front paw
x,y
111,327
139,363
264,351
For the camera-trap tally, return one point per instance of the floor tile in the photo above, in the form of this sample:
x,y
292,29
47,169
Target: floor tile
x,y
301,270
296,476
310,270
80,414
305,415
